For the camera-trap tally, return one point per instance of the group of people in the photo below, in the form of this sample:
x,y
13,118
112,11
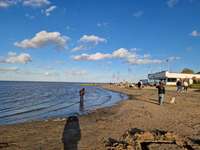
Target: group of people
x,y
182,85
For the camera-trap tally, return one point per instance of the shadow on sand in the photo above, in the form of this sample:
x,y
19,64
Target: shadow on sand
x,y
152,101
195,141
71,133
196,90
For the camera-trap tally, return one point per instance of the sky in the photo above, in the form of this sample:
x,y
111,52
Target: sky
x,y
97,40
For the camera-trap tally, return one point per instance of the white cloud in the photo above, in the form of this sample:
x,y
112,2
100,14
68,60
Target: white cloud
x,y
46,73
138,14
49,74
80,47
122,53
172,58
76,72
10,69
140,61
13,58
49,10
35,3
172,3
88,41
31,3
7,3
92,39
43,38
103,24
195,33
4,4
92,57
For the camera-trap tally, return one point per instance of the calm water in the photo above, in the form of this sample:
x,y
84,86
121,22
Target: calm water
x,y
27,101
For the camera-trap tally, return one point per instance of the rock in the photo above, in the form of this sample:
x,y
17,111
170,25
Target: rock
x,y
110,142
164,147
137,139
146,136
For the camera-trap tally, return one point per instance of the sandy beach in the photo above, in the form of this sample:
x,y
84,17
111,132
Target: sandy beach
x,y
140,111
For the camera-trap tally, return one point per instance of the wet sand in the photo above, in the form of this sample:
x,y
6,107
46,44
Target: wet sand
x,y
141,111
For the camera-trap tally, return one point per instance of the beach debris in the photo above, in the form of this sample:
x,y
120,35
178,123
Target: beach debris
x,y
59,119
5,145
137,139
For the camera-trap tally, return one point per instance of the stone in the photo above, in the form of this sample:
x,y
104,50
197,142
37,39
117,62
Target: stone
x,y
136,139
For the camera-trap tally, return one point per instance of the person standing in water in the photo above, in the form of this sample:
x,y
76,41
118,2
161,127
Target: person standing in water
x,y
82,93
161,92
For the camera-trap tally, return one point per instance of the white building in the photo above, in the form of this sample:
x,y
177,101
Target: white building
x,y
171,78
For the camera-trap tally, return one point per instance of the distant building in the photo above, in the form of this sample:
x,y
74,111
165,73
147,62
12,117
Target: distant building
x,y
144,81
170,78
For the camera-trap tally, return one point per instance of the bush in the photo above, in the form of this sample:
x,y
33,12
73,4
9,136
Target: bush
x,y
188,71
195,86
196,81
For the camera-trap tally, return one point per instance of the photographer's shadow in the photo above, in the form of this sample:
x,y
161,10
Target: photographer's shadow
x,y
71,133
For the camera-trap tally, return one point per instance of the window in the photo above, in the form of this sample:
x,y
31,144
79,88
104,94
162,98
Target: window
x,y
171,79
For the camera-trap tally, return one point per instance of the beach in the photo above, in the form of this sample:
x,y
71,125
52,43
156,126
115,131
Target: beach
x,y
140,110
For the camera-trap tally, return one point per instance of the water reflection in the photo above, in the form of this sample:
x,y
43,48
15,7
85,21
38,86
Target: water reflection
x,y
81,107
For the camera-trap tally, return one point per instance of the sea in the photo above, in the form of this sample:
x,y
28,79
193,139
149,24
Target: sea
x,y
30,101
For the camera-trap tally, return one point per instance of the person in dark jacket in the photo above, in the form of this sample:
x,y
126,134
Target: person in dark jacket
x,y
179,86
161,92
82,93
139,84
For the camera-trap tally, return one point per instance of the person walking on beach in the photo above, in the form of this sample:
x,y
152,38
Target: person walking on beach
x,y
185,85
139,84
179,86
161,92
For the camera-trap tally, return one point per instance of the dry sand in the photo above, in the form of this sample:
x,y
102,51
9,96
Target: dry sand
x,y
141,111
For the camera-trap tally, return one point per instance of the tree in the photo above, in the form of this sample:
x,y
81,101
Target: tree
x,y
187,70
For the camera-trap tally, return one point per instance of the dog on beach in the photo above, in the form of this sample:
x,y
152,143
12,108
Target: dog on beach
x,y
172,101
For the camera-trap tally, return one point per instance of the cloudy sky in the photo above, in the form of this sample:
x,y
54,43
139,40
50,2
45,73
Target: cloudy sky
x,y
97,40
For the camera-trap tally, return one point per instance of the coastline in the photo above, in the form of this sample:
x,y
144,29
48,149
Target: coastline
x,y
139,111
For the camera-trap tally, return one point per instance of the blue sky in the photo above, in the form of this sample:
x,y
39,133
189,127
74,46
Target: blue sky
x,y
97,41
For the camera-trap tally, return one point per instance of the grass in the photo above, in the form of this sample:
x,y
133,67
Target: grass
x,y
88,84
195,86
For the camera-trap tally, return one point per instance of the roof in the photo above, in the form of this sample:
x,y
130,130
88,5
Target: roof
x,y
166,74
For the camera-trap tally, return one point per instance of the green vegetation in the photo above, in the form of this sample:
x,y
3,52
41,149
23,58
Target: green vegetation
x,y
88,84
195,86
187,70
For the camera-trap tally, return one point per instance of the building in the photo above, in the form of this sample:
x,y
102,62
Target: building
x,y
170,78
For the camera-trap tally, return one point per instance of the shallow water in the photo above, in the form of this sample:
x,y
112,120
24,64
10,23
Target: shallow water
x,y
27,101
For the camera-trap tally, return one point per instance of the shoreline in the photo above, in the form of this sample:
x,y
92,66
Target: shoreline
x,y
86,112
140,110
